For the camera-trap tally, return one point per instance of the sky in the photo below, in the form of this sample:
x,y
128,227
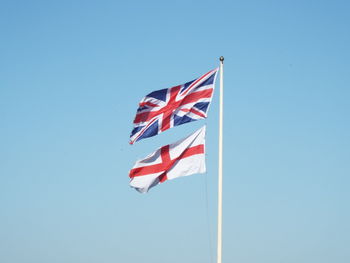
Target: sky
x,y
71,76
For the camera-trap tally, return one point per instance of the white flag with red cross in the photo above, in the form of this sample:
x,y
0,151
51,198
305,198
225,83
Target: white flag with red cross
x,y
182,158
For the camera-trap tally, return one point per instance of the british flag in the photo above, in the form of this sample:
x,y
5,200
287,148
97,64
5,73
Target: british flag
x,y
166,108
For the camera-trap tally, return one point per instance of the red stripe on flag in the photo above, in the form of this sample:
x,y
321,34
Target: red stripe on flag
x,y
147,103
163,177
195,112
198,80
167,163
171,106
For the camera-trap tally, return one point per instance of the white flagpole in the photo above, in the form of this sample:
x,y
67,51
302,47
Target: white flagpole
x,y
219,248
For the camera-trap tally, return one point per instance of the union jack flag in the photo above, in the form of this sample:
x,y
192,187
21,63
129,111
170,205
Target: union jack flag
x,y
163,109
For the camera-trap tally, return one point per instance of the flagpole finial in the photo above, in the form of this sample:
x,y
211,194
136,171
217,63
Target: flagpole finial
x,y
222,59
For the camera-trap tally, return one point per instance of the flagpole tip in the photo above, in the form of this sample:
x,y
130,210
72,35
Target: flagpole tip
x,y
222,59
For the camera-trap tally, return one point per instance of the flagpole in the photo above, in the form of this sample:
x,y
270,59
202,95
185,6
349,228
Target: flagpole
x,y
219,248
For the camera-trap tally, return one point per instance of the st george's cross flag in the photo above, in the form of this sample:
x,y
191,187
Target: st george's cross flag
x,y
166,108
182,158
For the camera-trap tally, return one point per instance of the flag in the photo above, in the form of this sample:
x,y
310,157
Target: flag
x,y
166,108
182,158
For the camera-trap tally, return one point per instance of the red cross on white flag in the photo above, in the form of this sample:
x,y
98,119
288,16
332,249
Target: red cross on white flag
x,y
182,158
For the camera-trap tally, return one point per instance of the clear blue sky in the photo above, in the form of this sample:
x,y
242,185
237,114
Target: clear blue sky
x,y
71,75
